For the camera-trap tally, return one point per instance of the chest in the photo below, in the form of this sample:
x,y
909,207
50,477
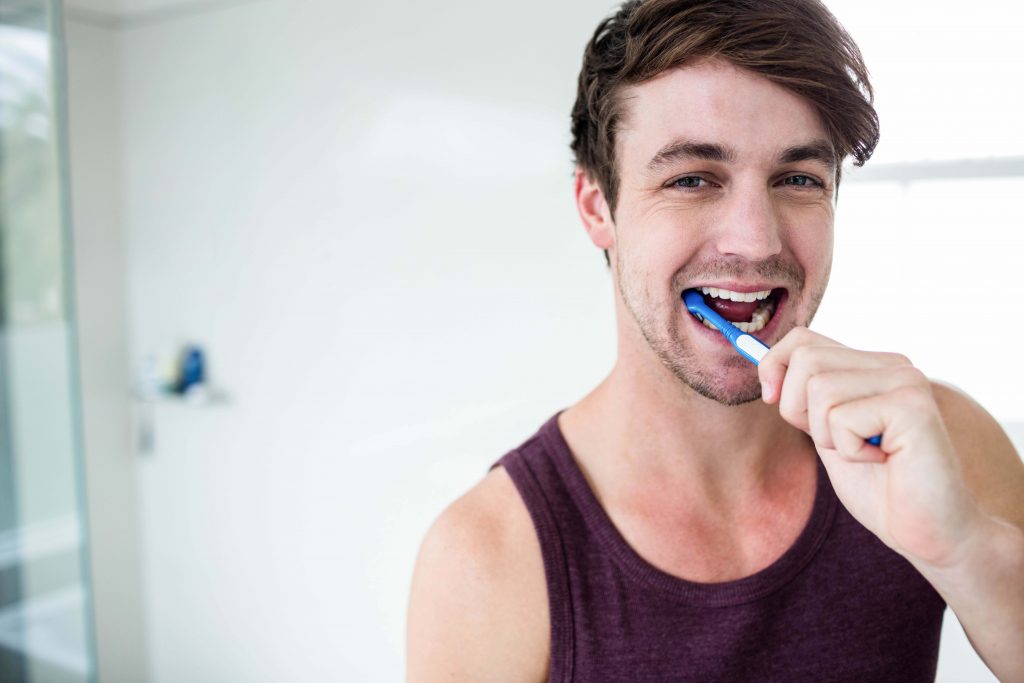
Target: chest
x,y
817,623
708,547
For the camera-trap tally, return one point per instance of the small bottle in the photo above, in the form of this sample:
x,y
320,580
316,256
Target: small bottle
x,y
193,373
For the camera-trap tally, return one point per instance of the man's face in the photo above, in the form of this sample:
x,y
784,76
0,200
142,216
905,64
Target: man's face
x,y
727,181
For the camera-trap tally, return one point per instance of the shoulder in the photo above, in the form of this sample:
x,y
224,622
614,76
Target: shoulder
x,y
478,606
991,465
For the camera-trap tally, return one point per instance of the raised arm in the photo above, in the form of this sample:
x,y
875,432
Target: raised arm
x,y
944,489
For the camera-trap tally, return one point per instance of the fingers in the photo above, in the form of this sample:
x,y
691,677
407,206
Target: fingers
x,y
827,390
893,414
811,375
773,367
809,363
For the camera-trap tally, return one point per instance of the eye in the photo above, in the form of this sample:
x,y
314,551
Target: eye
x,y
801,181
689,182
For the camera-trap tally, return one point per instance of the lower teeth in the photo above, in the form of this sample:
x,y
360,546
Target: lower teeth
x,y
757,322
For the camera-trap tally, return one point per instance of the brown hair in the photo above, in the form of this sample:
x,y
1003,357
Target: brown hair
x,y
795,43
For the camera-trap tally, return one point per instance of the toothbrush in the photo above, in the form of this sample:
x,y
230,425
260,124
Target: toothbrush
x,y
749,346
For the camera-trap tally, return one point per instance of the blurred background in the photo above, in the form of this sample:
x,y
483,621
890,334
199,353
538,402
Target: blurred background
x,y
282,278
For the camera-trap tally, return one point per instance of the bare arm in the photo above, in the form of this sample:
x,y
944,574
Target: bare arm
x,y
478,606
985,586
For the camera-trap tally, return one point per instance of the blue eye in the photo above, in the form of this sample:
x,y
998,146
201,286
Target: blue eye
x,y
801,181
690,182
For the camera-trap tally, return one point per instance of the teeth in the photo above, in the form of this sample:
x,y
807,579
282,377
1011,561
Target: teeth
x,y
719,293
760,318
758,321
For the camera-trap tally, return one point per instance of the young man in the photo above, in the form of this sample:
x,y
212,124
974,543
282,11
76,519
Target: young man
x,y
696,517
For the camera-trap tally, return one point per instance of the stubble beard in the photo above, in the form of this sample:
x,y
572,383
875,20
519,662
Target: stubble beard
x,y
680,358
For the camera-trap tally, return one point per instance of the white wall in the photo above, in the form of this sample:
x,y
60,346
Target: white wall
x,y
363,211
94,102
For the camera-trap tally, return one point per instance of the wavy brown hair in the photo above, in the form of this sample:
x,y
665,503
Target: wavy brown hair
x,y
795,43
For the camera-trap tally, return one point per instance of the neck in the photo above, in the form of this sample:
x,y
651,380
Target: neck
x,y
642,430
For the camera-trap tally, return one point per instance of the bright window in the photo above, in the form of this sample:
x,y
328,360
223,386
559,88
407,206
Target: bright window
x,y
930,234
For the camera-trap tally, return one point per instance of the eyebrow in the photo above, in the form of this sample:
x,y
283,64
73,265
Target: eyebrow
x,y
690,149
815,150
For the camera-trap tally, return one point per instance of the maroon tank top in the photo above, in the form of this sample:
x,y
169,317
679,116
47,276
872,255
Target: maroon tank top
x,y
838,605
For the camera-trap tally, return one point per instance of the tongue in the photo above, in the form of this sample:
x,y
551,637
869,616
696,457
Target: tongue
x,y
733,311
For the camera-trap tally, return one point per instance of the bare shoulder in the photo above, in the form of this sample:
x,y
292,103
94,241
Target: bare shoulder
x,y
991,465
478,607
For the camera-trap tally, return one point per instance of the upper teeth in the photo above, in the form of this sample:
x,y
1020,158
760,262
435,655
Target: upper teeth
x,y
735,296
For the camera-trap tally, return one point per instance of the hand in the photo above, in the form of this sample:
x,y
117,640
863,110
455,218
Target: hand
x,y
910,491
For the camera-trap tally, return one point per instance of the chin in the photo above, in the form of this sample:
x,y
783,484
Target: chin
x,y
725,394
735,383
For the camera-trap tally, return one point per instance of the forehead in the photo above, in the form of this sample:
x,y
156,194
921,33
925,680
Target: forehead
x,y
713,102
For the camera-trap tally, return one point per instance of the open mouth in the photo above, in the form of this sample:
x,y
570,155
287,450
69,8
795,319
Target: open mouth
x,y
748,311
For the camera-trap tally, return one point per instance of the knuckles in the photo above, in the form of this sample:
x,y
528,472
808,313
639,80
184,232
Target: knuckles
x,y
917,397
913,377
814,358
895,359
801,333
821,389
791,412
833,420
803,356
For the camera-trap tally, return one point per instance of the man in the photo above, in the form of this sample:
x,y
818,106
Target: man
x,y
696,517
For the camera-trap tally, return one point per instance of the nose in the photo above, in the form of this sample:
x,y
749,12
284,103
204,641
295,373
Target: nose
x,y
749,226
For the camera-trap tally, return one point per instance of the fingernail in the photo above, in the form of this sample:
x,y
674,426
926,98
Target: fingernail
x,y
766,391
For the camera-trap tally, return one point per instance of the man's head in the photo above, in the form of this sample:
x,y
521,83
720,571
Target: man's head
x,y
795,43
709,136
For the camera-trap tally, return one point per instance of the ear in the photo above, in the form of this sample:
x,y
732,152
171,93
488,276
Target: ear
x,y
593,209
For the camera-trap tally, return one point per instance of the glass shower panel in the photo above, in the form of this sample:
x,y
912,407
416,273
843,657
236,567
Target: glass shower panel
x,y
45,610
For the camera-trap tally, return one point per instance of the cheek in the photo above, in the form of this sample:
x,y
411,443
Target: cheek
x,y
647,265
665,234
811,235
823,248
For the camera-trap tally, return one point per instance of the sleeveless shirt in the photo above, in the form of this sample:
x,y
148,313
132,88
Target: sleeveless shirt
x,y
838,605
